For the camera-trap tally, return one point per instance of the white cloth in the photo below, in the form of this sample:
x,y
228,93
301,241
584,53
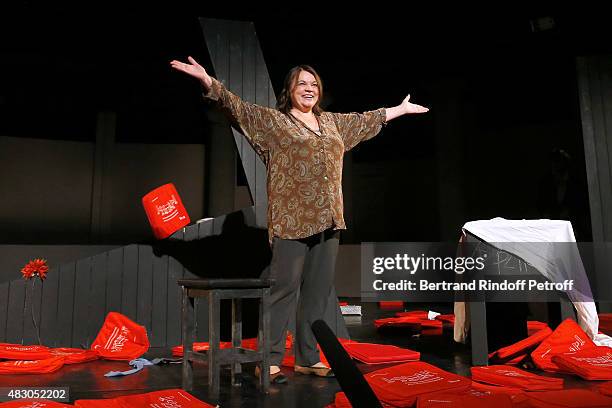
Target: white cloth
x,y
602,340
556,262
431,315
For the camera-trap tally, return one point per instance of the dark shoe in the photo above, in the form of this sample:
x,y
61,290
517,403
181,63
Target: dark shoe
x,y
318,371
277,378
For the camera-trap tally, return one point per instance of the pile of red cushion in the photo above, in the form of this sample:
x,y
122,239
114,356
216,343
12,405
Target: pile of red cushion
x,y
118,339
566,350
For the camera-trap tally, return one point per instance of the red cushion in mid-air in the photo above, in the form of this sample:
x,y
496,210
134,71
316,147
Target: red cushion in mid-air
x,y
165,211
46,366
120,339
380,353
402,384
593,363
513,377
567,337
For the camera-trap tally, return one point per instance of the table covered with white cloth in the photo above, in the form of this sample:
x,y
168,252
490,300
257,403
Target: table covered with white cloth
x,y
517,237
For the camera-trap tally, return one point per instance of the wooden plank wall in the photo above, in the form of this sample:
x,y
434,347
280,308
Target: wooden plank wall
x,y
69,307
239,64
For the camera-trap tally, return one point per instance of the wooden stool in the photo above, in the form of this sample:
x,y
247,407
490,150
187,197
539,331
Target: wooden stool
x,y
215,290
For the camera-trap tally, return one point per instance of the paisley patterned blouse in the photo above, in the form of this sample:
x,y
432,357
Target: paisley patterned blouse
x,y
304,169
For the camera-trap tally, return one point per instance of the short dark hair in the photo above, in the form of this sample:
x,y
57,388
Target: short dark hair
x,y
283,103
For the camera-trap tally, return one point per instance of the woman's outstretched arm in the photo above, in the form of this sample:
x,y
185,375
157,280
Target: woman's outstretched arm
x,y
404,108
195,70
257,123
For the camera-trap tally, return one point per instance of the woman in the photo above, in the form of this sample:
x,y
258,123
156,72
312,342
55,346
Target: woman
x,y
302,147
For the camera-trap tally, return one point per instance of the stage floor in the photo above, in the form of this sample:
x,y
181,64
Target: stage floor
x,y
87,380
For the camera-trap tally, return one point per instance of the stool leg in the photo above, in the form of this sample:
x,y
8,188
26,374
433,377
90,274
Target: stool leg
x,y
214,328
264,338
478,333
236,337
188,334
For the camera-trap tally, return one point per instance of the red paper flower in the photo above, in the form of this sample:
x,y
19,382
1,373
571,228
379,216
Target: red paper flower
x,y
36,267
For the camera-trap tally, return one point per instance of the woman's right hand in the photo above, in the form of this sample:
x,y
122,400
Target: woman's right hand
x,y
194,69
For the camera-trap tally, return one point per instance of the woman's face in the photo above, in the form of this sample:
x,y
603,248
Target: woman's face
x,y
305,93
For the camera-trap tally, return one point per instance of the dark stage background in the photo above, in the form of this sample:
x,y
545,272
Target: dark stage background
x,y
502,88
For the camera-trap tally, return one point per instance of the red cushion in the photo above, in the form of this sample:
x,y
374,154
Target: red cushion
x,y
408,321
74,355
533,326
421,314
605,323
567,337
495,389
572,398
594,363
165,211
45,366
437,331
447,318
175,398
251,344
392,304
441,400
400,385
120,339
177,351
522,347
341,401
10,351
97,403
33,403
513,377
380,353
606,389
515,361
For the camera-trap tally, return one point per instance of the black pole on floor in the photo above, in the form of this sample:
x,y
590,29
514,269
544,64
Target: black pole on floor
x,y
352,382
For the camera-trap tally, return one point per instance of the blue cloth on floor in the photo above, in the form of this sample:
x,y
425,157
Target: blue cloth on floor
x,y
139,364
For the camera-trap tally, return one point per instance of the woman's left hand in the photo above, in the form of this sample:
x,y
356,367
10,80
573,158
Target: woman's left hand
x,y
412,107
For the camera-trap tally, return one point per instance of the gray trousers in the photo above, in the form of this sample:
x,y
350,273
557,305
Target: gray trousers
x,y
305,267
